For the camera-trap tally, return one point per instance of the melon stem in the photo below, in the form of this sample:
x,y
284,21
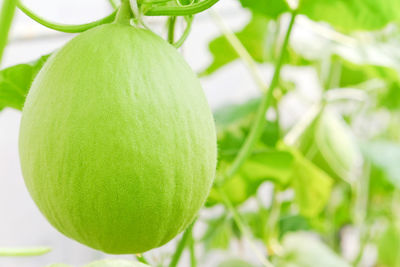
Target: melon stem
x,y
124,14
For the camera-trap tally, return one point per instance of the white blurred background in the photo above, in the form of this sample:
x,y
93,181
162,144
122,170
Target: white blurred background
x,y
21,224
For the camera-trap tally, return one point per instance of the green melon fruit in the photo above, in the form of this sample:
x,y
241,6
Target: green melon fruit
x,y
117,141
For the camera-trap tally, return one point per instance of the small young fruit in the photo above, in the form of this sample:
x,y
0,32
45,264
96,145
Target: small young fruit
x,y
117,142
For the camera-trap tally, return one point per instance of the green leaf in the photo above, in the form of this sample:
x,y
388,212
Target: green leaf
x,y
312,186
269,8
253,37
293,223
329,143
385,156
15,82
235,263
218,234
116,263
345,15
268,165
237,190
350,15
21,252
304,249
389,247
233,125
230,114
258,223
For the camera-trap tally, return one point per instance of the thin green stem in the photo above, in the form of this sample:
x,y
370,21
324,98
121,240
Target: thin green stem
x,y
193,259
6,17
257,127
179,10
242,227
171,29
185,33
274,215
240,50
113,3
142,259
23,252
124,14
181,246
64,27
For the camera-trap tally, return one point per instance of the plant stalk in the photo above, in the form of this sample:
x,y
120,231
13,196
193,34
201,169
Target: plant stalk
x,y
23,252
6,17
142,259
240,50
171,29
124,14
181,246
242,228
257,126
193,260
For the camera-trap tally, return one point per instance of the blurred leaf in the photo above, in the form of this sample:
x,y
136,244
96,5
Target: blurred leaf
x,y
260,40
227,115
389,247
21,252
355,74
350,15
329,143
218,234
345,15
236,189
116,263
390,98
252,36
385,155
269,8
269,165
233,125
235,263
15,82
312,186
258,223
292,223
304,249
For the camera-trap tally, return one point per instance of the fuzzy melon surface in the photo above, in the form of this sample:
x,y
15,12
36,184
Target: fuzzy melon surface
x,y
117,141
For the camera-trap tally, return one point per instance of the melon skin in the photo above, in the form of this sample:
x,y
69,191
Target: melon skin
x,y
117,142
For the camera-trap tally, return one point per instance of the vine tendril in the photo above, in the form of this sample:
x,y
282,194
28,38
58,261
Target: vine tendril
x,y
179,10
65,27
185,33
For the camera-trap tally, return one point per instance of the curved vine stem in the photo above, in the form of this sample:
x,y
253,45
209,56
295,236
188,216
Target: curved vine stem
x,y
171,29
23,252
142,259
240,50
193,260
185,33
257,127
64,27
114,4
242,228
179,10
181,246
6,17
